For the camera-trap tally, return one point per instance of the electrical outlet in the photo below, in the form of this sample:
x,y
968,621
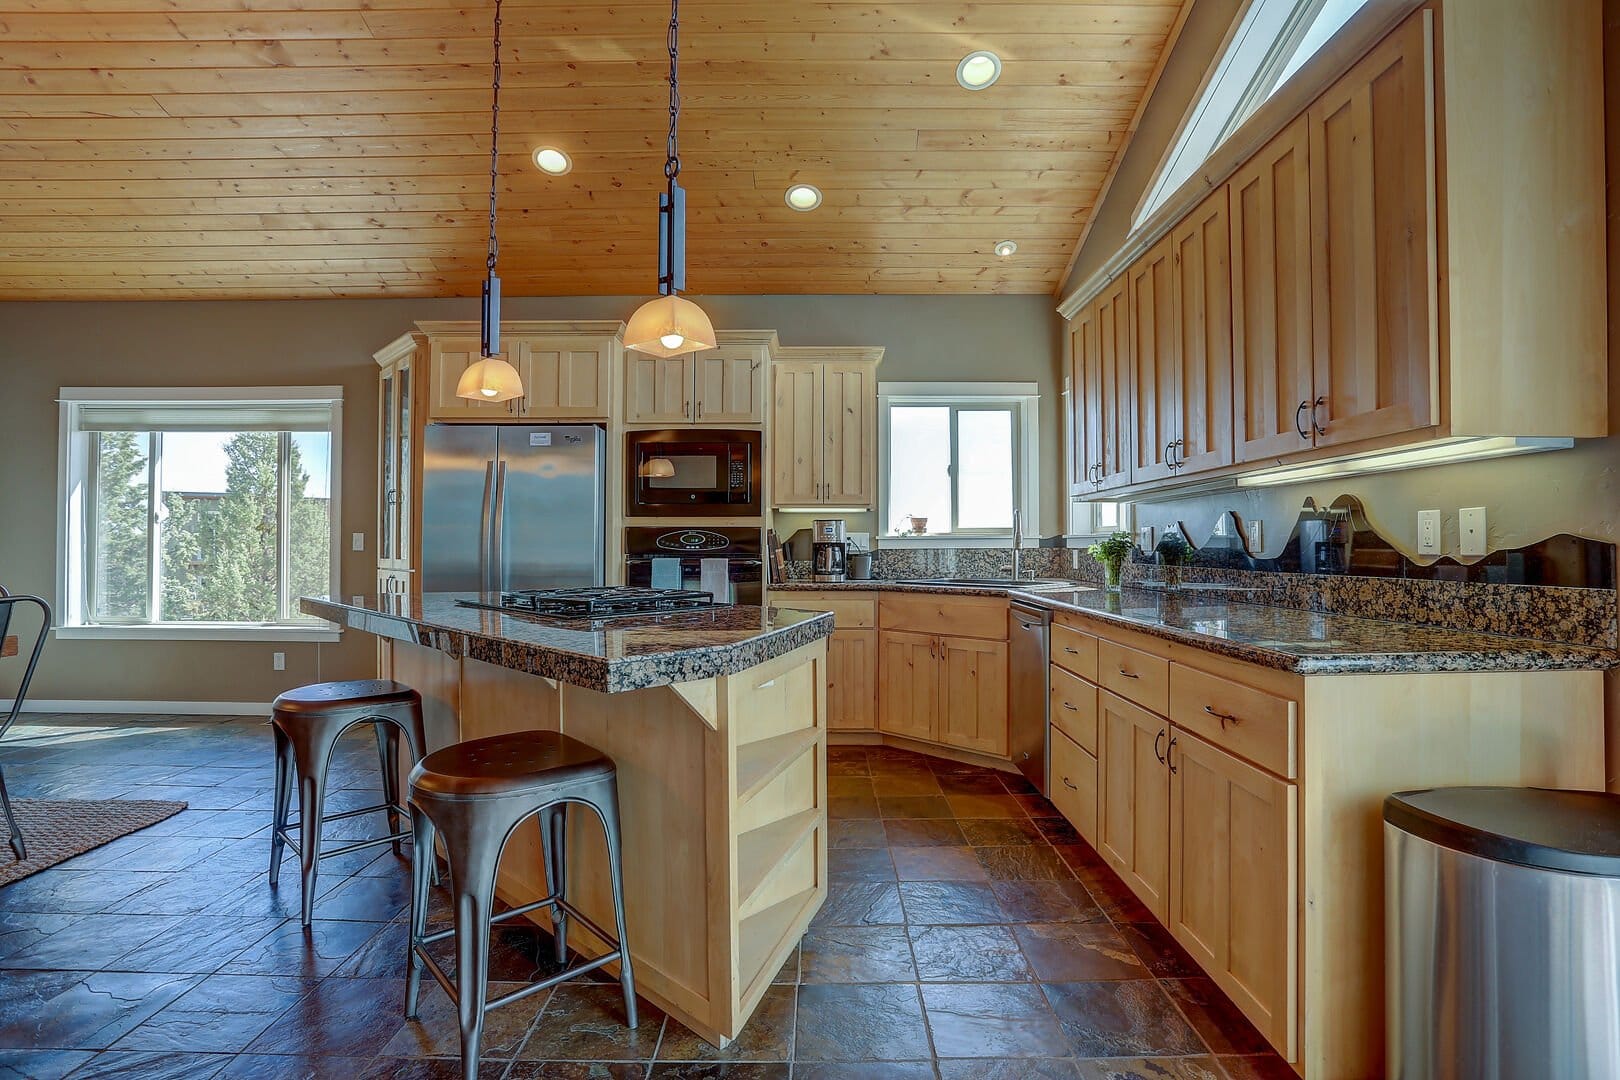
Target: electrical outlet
x,y
358,541
278,661
357,600
1256,533
1471,530
1074,558
1428,532
1144,538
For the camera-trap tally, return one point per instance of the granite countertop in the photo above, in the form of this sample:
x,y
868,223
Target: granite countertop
x,y
891,585
1310,643
620,654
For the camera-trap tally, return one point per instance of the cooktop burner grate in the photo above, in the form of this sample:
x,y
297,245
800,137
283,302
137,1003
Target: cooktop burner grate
x,y
601,602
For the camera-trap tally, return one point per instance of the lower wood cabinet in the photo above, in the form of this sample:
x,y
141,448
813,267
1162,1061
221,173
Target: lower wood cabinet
x,y
1074,784
1133,798
973,695
1234,877
908,684
852,680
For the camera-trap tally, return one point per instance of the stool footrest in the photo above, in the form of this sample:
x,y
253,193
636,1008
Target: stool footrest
x,y
444,980
292,844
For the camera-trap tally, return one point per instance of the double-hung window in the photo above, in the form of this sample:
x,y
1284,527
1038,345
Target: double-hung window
x,y
956,459
198,512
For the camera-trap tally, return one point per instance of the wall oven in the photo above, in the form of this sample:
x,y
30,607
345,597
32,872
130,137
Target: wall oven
x,y
726,563
693,473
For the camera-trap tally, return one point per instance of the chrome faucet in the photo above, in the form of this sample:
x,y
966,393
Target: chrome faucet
x,y
1017,543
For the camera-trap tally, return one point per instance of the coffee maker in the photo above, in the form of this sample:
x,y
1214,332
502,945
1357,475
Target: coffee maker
x,y
829,550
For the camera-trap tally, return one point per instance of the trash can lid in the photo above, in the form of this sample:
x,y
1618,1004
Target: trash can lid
x,y
1576,832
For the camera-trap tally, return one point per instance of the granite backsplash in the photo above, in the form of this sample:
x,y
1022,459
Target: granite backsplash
x,y
1576,616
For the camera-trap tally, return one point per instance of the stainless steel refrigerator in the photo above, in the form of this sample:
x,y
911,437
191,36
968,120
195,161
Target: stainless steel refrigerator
x,y
509,507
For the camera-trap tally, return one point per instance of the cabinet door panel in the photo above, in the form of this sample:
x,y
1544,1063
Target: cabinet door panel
x,y
1201,290
1153,364
973,695
566,381
849,433
1234,879
852,680
796,447
1133,807
658,389
1269,202
1114,384
1372,254
1074,784
1085,403
450,357
730,386
387,464
908,684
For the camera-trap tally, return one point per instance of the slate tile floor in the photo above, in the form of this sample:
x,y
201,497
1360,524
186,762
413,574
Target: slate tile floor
x,y
968,934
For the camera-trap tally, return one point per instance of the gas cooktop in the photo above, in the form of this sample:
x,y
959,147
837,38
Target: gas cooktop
x,y
600,602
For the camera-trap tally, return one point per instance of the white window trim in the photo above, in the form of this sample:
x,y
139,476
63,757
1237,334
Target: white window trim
x,y
1258,44
1083,528
70,513
1025,398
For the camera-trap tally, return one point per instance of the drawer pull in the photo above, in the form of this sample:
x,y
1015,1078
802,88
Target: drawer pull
x,y
1071,708
1129,674
1224,718
1069,784
1071,651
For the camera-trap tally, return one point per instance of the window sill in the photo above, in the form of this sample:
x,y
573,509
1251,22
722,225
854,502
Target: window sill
x,y
318,634
947,540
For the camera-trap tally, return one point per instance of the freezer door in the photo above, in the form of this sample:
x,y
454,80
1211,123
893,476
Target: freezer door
x,y
551,506
458,479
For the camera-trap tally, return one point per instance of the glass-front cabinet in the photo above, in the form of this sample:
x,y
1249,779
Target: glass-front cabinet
x,y
398,398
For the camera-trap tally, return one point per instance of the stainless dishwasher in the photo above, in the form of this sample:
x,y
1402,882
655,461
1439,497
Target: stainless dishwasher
x,y
1028,695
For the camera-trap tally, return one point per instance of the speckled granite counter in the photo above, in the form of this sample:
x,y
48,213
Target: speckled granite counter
x,y
1314,644
624,654
890,585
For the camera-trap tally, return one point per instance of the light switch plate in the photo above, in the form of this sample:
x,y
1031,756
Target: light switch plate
x,y
1256,534
1428,542
358,541
1144,538
359,601
1471,530
278,661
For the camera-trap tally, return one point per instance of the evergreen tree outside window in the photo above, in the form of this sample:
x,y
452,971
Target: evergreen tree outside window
x,y
200,513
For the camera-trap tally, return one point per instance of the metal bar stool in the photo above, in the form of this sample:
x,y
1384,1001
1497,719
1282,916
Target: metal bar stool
x,y
8,603
307,723
473,796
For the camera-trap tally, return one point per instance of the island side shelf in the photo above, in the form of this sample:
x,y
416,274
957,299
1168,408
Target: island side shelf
x,y
723,796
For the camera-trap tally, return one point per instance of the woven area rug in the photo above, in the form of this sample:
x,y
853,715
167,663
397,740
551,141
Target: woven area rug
x,y
58,829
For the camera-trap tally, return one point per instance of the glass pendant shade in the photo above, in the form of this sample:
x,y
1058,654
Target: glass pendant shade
x,y
669,326
490,379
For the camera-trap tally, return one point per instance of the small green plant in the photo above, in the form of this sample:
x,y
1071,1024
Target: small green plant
x,y
1174,550
1116,549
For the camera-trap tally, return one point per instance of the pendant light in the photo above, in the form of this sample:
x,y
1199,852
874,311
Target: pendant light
x,y
671,324
489,378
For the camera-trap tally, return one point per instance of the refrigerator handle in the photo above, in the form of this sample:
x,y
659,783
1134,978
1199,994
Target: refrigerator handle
x,y
498,528
483,526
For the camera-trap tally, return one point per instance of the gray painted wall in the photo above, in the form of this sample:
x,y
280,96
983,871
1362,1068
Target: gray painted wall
x,y
222,343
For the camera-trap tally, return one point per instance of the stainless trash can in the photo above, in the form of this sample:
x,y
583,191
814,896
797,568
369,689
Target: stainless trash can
x,y
1502,934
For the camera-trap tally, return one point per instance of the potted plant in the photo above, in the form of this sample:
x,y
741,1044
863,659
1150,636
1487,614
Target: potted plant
x,y
1112,553
1174,552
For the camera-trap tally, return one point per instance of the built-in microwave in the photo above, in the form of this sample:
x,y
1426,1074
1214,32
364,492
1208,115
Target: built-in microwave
x,y
696,472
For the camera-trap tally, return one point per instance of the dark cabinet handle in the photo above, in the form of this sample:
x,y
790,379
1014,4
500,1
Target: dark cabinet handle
x,y
1171,749
1071,708
1071,651
1069,784
1224,718
1157,739
1299,420
1129,674
1320,429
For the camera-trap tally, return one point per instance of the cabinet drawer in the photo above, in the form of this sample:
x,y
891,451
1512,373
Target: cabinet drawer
x,y
1135,676
1250,723
956,616
1074,650
1074,708
1074,784
851,611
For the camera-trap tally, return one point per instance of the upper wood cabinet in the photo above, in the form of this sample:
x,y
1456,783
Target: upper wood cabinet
x,y
1105,390
1153,363
565,379
1272,366
398,402
719,387
1201,290
823,439
448,357
1373,271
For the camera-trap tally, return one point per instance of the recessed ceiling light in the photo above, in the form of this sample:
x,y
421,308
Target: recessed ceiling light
x,y
1005,248
548,159
978,69
803,197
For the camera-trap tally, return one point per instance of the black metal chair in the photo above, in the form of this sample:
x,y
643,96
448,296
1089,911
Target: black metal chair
x,y
472,796
7,604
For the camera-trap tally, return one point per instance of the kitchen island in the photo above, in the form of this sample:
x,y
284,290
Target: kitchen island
x,y
716,720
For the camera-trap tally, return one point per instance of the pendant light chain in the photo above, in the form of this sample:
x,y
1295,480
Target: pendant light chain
x,y
672,163
494,141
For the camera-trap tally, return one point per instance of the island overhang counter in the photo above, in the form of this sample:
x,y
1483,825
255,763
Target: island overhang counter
x,y
716,721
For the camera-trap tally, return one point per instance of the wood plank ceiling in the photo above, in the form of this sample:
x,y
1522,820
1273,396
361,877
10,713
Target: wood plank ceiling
x,y
290,148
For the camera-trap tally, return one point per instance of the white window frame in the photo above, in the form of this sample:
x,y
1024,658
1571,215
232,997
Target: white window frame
x,y
1258,46
1023,398
74,459
1084,528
